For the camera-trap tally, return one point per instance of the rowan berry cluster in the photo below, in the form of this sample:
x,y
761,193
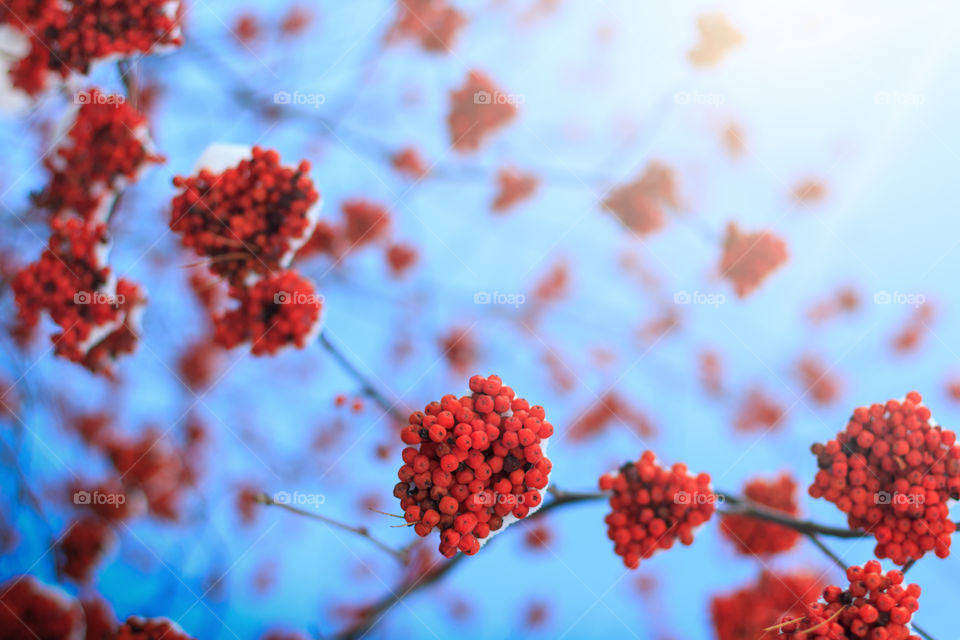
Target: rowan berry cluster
x,y
640,204
513,187
249,215
749,258
477,110
136,628
892,471
82,547
746,614
752,536
60,38
249,219
29,609
480,464
652,506
105,148
875,606
435,23
275,312
71,282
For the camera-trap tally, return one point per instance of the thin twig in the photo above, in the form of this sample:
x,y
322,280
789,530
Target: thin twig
x,y
749,509
367,388
401,555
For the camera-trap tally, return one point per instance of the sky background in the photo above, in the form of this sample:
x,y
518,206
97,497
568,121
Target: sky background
x,y
603,87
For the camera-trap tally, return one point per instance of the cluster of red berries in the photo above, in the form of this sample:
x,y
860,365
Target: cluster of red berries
x,y
435,23
480,464
409,162
748,613
70,281
477,109
752,536
892,471
759,412
82,547
105,148
29,609
248,220
513,187
136,628
640,204
749,258
273,313
155,467
875,606
67,37
652,506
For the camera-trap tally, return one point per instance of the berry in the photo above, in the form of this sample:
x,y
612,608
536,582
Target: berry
x,y
477,109
873,606
105,148
136,628
749,258
29,609
472,480
639,204
893,471
757,537
743,614
249,219
273,313
652,506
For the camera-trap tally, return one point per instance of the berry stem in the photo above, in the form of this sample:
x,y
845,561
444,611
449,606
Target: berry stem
x,y
367,388
402,555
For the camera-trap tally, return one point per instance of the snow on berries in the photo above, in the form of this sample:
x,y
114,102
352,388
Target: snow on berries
x,y
29,609
245,212
652,506
272,313
893,471
749,258
477,110
105,148
875,605
752,536
473,465
745,613
51,39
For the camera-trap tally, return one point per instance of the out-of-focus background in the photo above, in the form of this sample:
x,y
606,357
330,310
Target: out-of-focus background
x,y
831,127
